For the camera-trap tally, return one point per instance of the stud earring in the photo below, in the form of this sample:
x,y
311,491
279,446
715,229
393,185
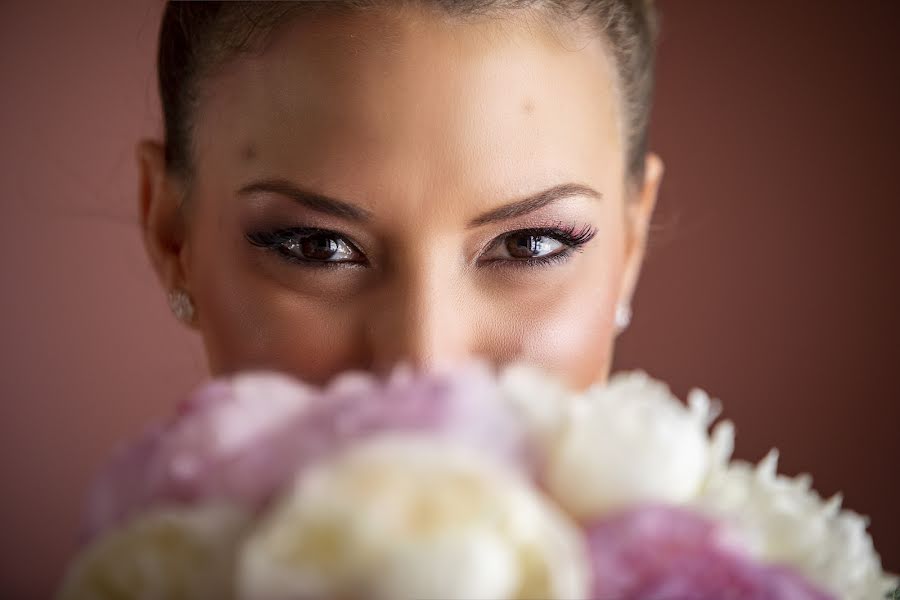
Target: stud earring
x,y
623,317
181,304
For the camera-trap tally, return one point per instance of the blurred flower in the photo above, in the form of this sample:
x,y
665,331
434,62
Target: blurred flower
x,y
211,429
405,517
627,442
240,439
783,520
541,401
424,485
669,553
183,554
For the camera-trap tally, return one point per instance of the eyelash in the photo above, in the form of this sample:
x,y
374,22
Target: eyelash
x,y
273,241
572,237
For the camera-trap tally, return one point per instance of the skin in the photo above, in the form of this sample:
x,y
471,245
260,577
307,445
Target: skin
x,y
425,124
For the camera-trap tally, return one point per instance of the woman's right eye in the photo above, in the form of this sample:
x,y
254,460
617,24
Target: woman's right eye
x,y
316,247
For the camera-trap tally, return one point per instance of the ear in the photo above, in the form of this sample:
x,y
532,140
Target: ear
x,y
161,216
639,212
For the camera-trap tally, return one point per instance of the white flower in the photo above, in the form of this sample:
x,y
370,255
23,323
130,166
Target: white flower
x,y
540,400
176,554
627,442
782,520
404,517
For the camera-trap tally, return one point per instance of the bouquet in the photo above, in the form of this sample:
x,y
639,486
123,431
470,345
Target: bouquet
x,y
474,484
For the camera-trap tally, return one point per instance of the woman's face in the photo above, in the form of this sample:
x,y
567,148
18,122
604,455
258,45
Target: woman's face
x,y
383,187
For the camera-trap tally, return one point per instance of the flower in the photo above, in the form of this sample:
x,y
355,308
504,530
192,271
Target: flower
x,y
183,554
463,485
406,517
627,442
664,552
240,439
212,427
784,521
540,400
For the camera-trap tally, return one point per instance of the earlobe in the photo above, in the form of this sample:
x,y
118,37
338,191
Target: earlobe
x,y
159,214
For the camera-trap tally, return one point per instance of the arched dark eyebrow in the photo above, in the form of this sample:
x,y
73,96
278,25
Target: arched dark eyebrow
x,y
311,200
351,212
534,202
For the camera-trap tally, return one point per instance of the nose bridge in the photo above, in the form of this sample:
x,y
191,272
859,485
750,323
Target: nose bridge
x,y
420,317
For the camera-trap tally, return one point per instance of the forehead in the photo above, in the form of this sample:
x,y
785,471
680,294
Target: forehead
x,y
376,100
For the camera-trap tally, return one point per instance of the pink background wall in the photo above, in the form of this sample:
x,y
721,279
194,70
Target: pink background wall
x,y
772,280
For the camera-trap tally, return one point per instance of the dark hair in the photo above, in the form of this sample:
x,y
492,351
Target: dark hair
x,y
195,37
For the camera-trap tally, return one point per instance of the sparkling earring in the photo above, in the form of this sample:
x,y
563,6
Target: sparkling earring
x,y
623,317
181,304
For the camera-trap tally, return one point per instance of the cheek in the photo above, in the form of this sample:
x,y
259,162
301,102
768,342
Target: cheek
x,y
572,332
250,320
574,341
252,325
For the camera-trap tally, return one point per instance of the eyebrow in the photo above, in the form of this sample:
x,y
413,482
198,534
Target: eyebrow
x,y
309,199
535,202
345,210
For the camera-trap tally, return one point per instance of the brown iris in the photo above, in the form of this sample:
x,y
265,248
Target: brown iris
x,y
525,246
319,247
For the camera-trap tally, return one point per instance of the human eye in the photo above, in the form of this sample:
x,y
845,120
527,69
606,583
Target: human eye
x,y
310,246
536,247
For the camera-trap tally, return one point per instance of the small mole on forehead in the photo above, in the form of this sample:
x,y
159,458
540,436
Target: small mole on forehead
x,y
248,152
528,106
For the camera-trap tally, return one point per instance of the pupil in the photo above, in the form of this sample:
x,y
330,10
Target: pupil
x,y
319,247
525,246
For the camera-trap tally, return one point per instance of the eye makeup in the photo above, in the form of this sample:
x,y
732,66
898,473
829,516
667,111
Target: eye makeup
x,y
572,238
294,244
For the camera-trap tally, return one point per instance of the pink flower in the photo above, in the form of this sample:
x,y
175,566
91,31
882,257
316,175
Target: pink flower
x,y
670,553
244,438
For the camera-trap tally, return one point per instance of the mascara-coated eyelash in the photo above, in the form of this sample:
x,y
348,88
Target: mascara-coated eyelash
x,y
572,239
278,241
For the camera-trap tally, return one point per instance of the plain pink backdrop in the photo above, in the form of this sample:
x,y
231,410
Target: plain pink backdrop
x,y
772,279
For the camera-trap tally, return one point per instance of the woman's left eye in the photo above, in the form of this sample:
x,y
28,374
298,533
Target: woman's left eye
x,y
534,247
529,245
